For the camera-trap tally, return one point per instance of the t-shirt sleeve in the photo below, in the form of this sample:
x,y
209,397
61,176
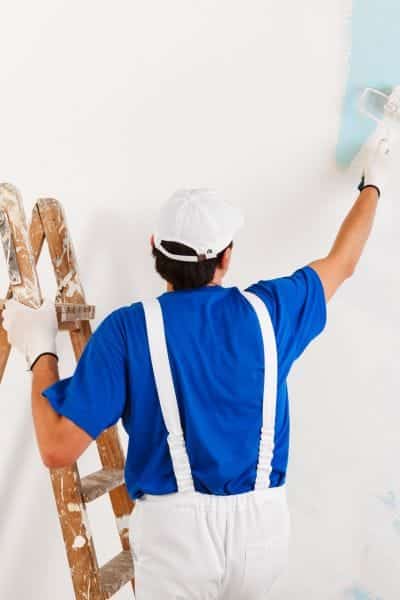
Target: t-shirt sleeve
x,y
94,396
298,309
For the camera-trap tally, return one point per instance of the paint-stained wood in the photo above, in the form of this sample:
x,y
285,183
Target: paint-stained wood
x,y
90,581
76,532
99,483
112,456
4,350
116,573
28,290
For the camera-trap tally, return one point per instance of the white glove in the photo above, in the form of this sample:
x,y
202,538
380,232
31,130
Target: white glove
x,y
31,330
377,166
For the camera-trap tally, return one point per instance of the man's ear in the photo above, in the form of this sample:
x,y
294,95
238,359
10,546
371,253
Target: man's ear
x,y
152,240
226,258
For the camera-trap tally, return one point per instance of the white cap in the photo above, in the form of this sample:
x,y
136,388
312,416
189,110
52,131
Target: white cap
x,y
200,219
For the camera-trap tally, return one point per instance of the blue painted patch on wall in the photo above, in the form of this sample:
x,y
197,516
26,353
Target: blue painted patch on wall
x,y
374,62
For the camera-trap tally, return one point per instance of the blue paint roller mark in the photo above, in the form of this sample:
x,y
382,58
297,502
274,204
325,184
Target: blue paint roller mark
x,y
396,525
374,62
359,593
389,500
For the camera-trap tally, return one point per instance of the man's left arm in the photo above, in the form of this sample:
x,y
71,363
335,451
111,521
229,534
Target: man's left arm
x,y
60,441
33,332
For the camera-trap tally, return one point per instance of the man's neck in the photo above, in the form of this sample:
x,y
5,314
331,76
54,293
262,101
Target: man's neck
x,y
213,282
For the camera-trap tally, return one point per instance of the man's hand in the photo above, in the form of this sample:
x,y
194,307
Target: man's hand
x,y
349,244
31,330
376,166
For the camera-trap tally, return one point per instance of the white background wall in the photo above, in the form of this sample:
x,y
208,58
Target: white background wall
x,y
112,106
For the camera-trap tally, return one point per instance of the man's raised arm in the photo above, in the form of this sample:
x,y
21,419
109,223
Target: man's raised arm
x,y
354,232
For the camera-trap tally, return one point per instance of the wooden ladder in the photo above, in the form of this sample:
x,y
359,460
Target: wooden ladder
x,y
22,248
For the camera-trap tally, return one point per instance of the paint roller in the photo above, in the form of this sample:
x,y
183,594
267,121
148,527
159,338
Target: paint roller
x,y
384,109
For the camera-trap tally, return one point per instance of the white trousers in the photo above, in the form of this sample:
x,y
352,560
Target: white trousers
x,y
194,546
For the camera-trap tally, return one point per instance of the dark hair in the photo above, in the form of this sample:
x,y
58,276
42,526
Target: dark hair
x,y
185,275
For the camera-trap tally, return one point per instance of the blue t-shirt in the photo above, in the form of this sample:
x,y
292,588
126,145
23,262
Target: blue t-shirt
x,y
217,360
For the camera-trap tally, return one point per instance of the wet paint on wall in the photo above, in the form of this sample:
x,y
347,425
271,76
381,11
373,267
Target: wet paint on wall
x,y
373,62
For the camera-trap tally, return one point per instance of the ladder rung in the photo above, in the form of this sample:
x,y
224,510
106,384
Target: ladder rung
x,y
74,312
116,573
99,483
68,313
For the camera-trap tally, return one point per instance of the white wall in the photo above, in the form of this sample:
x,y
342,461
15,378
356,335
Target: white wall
x,y
110,107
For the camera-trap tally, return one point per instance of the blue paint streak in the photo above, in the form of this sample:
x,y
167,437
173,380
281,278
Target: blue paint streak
x,y
374,62
360,593
396,525
389,500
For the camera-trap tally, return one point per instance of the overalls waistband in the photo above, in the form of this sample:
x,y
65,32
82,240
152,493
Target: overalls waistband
x,y
233,500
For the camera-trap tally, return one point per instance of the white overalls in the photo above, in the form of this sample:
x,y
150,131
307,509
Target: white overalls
x,y
193,546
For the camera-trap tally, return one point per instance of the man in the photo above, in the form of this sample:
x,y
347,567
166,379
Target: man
x,y
198,377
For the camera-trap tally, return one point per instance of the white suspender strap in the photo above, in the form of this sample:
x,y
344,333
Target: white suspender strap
x,y
166,394
266,448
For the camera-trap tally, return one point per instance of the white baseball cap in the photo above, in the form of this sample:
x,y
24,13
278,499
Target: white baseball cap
x,y
200,219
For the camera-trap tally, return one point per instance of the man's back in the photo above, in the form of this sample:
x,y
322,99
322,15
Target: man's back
x,y
216,357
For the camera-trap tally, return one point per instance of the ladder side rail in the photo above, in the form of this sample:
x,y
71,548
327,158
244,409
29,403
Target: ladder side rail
x,y
70,290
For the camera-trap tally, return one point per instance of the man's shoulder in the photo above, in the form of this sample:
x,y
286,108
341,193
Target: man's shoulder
x,y
283,284
283,293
